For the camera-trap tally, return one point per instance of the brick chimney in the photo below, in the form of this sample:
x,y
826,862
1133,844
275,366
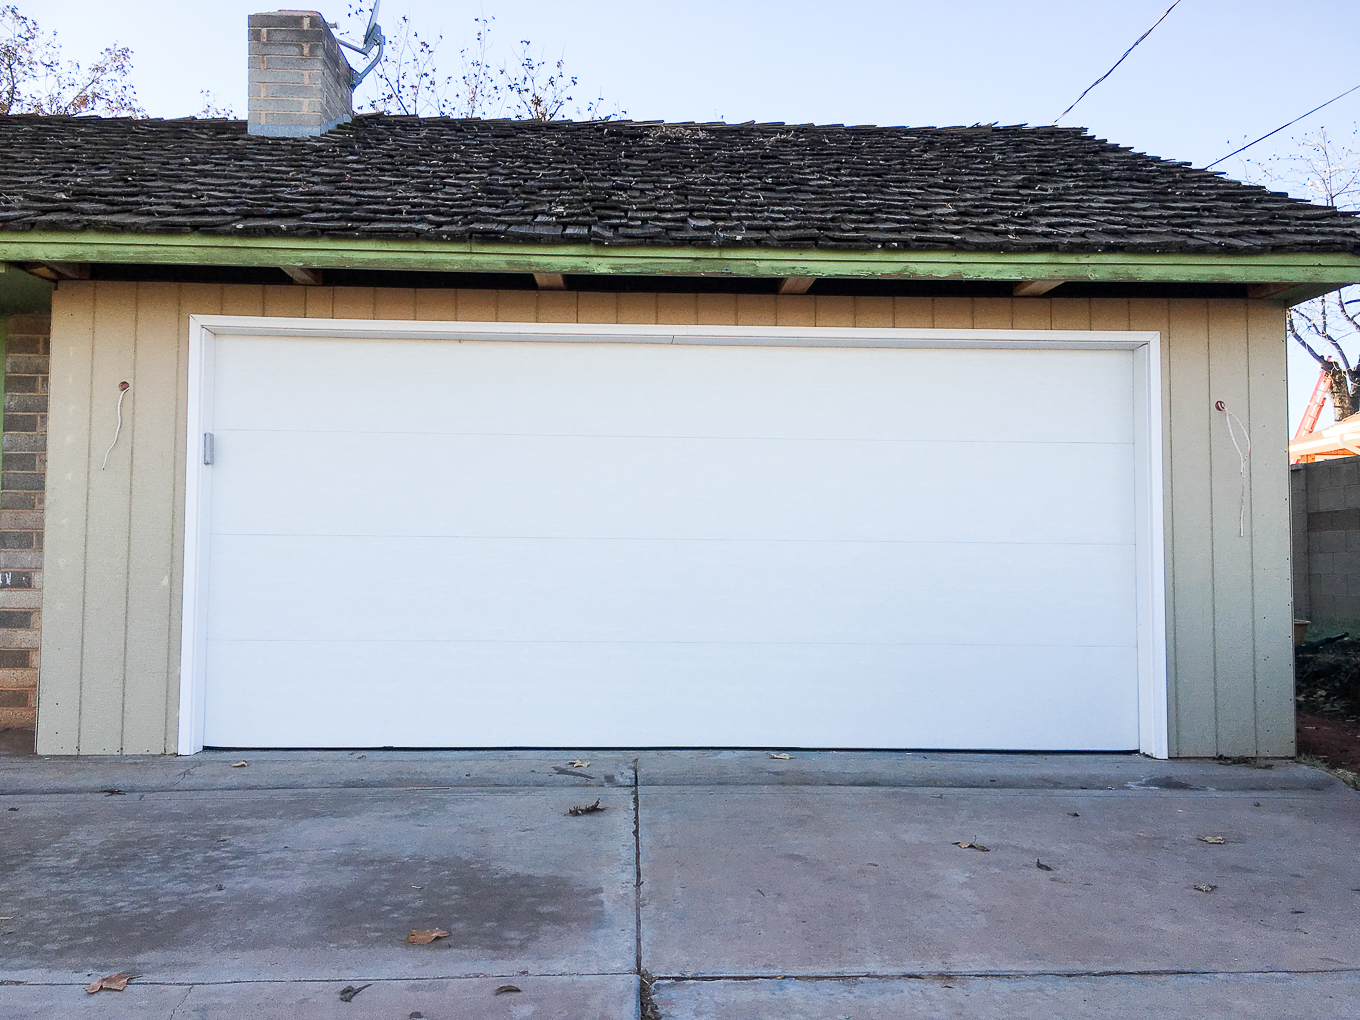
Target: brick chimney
x,y
299,80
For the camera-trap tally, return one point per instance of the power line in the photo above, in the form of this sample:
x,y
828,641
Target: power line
x,y
1116,63
1281,128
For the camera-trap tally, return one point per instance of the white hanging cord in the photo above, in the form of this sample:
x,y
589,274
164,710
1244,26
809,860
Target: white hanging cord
x,y
1243,457
123,387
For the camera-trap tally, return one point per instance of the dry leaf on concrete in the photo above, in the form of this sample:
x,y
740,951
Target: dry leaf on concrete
x,y
112,983
586,809
1216,840
1041,865
780,755
424,936
239,764
1204,888
966,845
578,764
503,989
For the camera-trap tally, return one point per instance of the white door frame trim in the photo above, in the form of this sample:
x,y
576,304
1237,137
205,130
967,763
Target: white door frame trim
x,y
1153,703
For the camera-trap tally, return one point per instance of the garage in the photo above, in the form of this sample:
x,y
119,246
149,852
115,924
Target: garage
x,y
642,537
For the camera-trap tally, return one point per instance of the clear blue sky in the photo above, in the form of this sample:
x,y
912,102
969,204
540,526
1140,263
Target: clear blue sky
x,y
1215,74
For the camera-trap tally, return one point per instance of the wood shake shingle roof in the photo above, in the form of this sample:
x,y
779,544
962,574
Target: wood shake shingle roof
x,y
774,186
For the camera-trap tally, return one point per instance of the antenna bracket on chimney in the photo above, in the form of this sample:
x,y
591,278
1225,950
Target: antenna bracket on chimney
x,y
373,38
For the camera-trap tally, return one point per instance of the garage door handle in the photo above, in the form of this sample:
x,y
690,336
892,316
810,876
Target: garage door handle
x,y
207,448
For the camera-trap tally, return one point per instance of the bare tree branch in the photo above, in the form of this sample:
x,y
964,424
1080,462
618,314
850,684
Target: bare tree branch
x,y
1294,332
35,78
1324,169
411,81
1341,305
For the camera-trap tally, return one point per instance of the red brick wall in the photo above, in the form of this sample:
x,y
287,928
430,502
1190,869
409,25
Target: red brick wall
x,y
22,481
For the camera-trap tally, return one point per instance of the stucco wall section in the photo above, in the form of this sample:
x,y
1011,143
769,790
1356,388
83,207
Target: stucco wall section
x,y
115,536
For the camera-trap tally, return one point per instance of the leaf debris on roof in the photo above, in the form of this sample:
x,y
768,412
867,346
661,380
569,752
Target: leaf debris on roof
x,y
775,186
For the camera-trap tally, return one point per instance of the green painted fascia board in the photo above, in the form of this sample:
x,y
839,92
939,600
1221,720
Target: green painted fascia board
x,y
476,257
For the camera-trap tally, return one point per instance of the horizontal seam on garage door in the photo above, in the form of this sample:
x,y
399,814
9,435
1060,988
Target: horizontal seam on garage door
x,y
613,641
715,438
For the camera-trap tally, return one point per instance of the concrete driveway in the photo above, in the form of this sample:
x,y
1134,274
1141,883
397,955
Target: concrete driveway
x,y
821,887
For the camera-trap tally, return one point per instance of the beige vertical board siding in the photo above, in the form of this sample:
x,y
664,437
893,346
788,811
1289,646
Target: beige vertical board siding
x,y
432,305
795,310
242,299
106,540
835,310
1032,313
1270,526
68,458
953,313
151,437
111,625
1110,314
638,308
1191,524
557,306
354,302
591,306
716,309
1234,653
394,303
1153,315
517,306
755,310
677,309
913,312
992,313
874,312
477,305
1071,313
288,300
319,302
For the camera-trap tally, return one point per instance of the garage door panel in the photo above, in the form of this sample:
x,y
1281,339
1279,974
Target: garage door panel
x,y
389,589
415,694
614,389
582,487
433,543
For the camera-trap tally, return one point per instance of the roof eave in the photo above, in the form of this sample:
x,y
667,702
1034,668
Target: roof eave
x,y
1307,275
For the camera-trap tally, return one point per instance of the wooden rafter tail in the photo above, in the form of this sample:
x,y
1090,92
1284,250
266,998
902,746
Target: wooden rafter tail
x,y
306,277
1036,288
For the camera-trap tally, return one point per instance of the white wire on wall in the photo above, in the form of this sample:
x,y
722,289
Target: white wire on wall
x,y
123,388
1242,468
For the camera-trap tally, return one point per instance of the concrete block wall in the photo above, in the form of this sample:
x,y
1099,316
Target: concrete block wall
x,y
298,78
1325,511
23,477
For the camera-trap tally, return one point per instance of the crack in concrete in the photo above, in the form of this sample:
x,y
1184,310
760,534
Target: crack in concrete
x,y
647,1008
187,992
637,869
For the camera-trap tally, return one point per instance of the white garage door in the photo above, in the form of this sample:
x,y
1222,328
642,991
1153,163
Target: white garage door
x,y
435,543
